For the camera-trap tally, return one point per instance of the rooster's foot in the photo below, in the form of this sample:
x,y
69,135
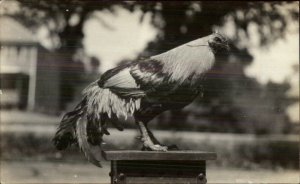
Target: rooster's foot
x,y
154,147
172,147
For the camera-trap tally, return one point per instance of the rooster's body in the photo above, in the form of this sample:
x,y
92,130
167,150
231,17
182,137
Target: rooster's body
x,y
142,89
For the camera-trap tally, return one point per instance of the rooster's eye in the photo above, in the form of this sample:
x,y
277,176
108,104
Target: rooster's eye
x,y
217,39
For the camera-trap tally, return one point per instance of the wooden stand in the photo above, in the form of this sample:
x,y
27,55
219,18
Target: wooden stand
x,y
132,167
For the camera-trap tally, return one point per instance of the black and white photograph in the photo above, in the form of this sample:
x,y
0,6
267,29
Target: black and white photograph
x,y
134,92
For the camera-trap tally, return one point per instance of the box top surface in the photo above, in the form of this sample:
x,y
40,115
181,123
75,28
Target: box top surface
x,y
159,155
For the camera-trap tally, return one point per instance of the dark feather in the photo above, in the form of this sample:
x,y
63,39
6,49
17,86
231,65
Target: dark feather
x,y
86,147
128,92
149,74
150,66
65,135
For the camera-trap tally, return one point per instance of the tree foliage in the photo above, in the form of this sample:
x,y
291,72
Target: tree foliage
x,y
178,21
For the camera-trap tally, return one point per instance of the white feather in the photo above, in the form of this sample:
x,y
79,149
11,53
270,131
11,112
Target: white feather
x,y
193,58
101,101
123,79
83,143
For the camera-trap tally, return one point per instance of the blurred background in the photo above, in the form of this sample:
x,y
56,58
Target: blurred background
x,y
248,112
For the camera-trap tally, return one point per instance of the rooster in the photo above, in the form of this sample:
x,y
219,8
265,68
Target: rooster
x,y
141,89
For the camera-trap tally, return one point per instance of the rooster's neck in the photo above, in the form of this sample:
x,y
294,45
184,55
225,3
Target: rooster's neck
x,y
183,63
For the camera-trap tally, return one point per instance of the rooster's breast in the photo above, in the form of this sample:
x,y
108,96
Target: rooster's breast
x,y
172,97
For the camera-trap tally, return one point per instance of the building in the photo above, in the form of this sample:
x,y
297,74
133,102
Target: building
x,y
29,73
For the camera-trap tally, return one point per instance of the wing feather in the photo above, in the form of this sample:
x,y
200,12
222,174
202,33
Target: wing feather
x,y
122,79
136,79
121,82
149,74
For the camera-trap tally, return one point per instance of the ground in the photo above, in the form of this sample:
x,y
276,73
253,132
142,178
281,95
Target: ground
x,y
54,172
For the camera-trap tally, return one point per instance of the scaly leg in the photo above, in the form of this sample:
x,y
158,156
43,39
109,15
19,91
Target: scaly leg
x,y
155,141
148,143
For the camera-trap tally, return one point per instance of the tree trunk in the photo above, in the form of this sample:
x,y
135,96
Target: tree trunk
x,y
71,71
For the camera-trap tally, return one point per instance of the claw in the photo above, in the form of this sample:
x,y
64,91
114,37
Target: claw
x,y
154,147
160,148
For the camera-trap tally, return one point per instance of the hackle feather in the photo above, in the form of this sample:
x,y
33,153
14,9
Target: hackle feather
x,y
184,61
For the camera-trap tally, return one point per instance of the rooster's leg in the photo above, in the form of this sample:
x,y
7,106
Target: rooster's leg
x,y
148,143
170,147
155,141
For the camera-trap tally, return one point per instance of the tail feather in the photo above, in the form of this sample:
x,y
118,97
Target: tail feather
x,y
88,149
65,135
87,123
76,127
